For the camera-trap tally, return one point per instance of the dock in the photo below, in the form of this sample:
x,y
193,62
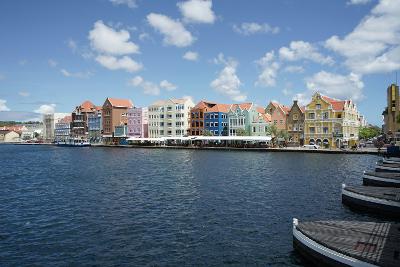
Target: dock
x,y
383,179
348,243
378,200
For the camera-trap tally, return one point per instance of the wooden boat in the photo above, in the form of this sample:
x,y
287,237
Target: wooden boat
x,y
385,167
347,243
384,179
379,200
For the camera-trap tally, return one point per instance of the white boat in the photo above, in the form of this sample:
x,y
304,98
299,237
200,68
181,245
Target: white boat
x,y
74,142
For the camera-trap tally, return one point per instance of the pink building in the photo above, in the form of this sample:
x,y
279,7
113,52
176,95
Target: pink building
x,y
138,122
278,114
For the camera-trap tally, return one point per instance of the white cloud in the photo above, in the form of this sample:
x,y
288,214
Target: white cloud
x,y
151,88
144,36
46,109
174,32
106,40
358,2
52,63
300,50
76,74
3,106
129,3
197,11
294,69
190,55
125,63
269,70
303,98
167,85
24,94
248,28
227,82
336,85
189,97
374,45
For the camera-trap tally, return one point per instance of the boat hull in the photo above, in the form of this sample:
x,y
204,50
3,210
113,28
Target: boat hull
x,y
372,180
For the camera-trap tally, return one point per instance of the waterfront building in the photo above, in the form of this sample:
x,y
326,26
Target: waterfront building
x,y
79,124
196,123
331,122
114,113
120,134
246,119
138,122
49,122
8,136
31,130
216,120
391,114
295,124
95,125
169,117
278,114
62,129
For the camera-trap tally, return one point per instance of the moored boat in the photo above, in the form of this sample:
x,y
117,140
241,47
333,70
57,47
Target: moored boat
x,y
347,243
384,179
74,142
378,200
390,160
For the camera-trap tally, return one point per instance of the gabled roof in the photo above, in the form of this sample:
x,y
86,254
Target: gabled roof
x,y
219,108
267,117
87,106
338,105
260,110
120,102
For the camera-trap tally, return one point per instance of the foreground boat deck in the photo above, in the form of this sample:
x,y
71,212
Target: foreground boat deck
x,y
347,243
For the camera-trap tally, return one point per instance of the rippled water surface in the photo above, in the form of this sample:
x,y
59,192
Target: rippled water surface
x,y
112,206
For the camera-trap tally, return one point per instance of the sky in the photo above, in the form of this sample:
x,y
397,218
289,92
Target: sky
x,y
56,54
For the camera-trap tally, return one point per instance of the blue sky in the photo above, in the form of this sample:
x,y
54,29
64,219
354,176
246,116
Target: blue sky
x,y
56,54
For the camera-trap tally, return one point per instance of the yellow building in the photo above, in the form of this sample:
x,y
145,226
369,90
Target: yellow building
x,y
331,123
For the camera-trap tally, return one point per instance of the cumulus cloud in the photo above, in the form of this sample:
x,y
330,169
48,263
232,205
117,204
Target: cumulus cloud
x,y
336,85
82,75
197,11
190,55
129,3
174,32
358,2
167,85
300,50
248,28
269,69
374,45
24,94
3,106
106,40
125,63
294,69
46,109
227,82
303,98
151,88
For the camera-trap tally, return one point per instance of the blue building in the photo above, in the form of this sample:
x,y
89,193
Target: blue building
x,y
95,126
216,120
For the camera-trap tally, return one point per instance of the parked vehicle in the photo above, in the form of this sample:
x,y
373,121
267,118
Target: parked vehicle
x,y
312,146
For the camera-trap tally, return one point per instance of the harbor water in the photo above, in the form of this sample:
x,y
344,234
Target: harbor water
x,y
165,207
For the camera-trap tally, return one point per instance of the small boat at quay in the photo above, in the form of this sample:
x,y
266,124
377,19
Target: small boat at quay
x,y
74,143
390,160
387,167
347,243
378,200
383,179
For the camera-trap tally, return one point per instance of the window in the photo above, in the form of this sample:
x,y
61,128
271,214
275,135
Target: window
x,y
281,121
318,106
275,122
325,130
295,117
311,116
215,124
312,130
325,115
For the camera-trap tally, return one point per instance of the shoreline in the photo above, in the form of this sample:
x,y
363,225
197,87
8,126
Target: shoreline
x,y
372,151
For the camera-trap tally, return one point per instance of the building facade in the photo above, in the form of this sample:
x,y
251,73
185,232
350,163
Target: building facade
x,y
138,122
331,123
295,124
95,126
246,119
49,122
114,113
80,120
169,117
216,120
62,129
278,114
391,115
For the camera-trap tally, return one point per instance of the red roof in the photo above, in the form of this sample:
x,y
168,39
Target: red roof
x,y
338,105
267,117
285,109
120,102
219,108
260,110
303,109
329,99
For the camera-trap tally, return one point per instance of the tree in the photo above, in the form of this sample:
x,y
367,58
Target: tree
x,y
283,134
241,132
369,132
272,130
207,133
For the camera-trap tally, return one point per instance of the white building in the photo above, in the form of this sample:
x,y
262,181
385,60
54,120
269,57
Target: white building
x,y
49,123
169,117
